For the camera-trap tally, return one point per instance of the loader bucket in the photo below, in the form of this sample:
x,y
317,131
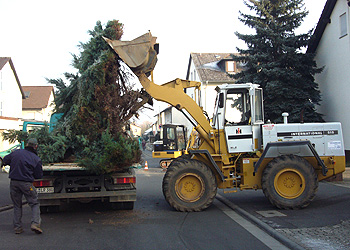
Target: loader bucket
x,y
139,54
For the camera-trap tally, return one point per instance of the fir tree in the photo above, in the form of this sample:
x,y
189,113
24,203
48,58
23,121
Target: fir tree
x,y
99,94
98,103
274,60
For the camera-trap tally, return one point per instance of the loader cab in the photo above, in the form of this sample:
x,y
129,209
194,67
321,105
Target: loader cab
x,y
239,112
171,138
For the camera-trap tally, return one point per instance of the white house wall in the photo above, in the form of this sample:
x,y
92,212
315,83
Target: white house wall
x,y
167,117
208,95
10,94
10,104
180,119
193,73
6,124
333,53
193,77
33,115
47,112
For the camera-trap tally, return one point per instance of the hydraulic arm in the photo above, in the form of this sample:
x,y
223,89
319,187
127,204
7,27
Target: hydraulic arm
x,y
141,57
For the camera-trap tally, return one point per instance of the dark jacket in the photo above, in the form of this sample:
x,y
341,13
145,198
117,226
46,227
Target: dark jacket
x,y
25,165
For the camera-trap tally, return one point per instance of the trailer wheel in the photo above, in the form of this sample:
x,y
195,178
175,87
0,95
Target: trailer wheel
x,y
189,185
289,182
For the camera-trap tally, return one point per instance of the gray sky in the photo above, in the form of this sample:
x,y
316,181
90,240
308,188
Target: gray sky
x,y
40,35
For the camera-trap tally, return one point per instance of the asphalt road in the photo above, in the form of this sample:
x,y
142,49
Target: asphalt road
x,y
153,224
4,189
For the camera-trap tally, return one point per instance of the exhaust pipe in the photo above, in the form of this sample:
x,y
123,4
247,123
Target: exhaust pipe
x,y
285,118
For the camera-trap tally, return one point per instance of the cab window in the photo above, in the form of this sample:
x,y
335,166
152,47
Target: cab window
x,y
237,109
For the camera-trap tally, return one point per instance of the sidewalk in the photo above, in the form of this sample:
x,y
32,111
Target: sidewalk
x,y
327,237
346,179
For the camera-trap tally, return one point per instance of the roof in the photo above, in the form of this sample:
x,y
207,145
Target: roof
x,y
321,25
37,97
3,62
210,66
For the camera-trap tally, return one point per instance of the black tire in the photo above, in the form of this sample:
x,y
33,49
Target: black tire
x,y
189,185
1,163
289,182
163,163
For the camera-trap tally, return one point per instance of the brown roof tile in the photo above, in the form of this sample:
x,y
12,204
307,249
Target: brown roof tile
x,y
3,61
37,96
211,66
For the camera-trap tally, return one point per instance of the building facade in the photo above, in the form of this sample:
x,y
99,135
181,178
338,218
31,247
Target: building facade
x,y
39,103
331,45
11,96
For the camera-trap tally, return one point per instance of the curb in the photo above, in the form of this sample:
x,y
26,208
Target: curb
x,y
8,207
272,232
5,208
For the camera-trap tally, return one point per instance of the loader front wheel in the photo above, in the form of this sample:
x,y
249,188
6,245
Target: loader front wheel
x,y
189,185
289,182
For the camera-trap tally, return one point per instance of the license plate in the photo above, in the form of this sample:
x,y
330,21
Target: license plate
x,y
45,190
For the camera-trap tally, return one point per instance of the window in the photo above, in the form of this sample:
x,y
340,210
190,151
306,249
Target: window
x,y
171,133
343,25
180,138
258,106
237,108
230,67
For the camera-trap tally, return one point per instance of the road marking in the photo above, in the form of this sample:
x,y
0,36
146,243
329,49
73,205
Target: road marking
x,y
270,213
339,184
250,227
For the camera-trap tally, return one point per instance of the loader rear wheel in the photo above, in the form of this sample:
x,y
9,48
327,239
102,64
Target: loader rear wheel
x,y
189,185
289,182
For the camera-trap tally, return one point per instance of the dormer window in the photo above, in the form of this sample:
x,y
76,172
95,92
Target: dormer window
x,y
230,67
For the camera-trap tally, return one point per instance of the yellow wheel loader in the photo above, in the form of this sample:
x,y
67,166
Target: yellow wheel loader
x,y
170,145
237,150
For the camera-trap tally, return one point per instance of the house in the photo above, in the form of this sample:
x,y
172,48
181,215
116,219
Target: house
x,y
39,103
331,45
211,69
11,96
135,130
171,115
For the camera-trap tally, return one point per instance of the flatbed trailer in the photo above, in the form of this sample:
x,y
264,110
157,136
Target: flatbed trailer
x,y
64,182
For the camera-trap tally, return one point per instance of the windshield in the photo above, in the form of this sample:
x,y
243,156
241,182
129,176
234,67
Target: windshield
x,y
237,108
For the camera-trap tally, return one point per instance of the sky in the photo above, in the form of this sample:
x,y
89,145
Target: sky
x,y
40,35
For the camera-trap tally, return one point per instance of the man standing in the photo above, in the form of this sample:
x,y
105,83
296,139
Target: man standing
x,y
25,166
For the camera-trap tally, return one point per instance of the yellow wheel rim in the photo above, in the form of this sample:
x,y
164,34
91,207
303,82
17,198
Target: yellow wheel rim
x,y
289,183
189,187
